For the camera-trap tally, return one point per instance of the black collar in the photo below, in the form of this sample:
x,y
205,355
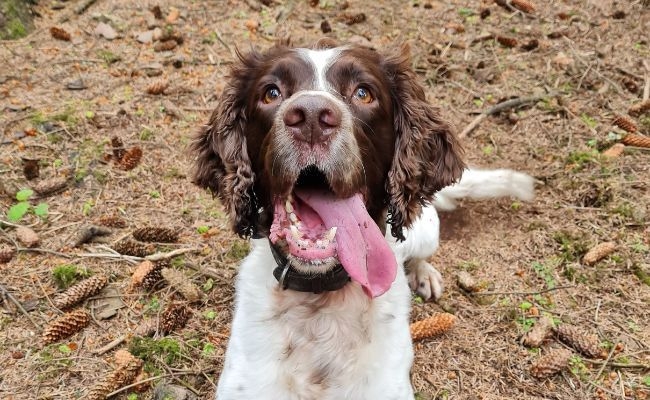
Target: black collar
x,y
290,278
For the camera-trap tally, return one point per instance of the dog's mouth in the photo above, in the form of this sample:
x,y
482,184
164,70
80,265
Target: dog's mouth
x,y
316,230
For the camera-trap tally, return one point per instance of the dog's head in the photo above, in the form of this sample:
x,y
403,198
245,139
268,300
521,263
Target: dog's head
x,y
306,144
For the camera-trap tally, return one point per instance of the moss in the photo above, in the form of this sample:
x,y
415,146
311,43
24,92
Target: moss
x,y
17,17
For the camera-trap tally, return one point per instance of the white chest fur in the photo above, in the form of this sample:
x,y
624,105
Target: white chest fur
x,y
339,345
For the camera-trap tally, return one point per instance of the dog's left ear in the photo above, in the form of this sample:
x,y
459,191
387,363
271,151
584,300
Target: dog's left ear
x,y
427,153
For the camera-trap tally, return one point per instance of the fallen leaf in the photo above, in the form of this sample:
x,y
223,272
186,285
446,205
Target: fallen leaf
x,y
145,37
173,15
108,303
562,60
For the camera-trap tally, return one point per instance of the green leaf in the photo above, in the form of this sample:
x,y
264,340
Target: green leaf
x,y
210,315
525,305
208,349
24,194
646,380
17,211
41,210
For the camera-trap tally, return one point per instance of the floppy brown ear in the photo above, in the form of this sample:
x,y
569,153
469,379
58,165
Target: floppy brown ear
x,y
427,154
222,162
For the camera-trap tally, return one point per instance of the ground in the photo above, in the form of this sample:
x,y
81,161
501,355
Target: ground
x,y
63,100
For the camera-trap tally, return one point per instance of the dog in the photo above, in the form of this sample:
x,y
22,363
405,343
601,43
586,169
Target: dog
x,y
328,158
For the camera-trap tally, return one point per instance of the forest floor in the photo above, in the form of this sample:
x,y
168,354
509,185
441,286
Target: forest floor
x,y
62,101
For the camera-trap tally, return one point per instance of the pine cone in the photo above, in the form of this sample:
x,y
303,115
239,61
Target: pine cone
x,y
158,87
131,158
66,325
58,33
49,186
6,254
540,331
147,275
467,282
615,151
174,317
180,282
636,140
80,291
531,45
523,5
123,375
166,45
112,221
133,248
584,343
507,41
432,326
87,233
639,108
550,364
27,236
118,148
599,252
625,123
123,357
156,234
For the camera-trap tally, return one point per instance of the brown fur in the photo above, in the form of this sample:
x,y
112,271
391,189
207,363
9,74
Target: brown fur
x,y
404,162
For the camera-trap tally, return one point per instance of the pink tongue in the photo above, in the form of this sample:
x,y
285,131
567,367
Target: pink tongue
x,y
362,249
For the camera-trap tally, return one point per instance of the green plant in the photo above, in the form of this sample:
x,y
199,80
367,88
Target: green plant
x,y
578,367
202,229
154,194
646,380
67,274
210,315
546,273
208,285
18,210
208,350
150,349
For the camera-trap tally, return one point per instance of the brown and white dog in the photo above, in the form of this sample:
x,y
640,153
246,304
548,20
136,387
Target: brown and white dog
x,y
313,152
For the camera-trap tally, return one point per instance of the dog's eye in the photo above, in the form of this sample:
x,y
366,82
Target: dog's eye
x,y
363,94
271,95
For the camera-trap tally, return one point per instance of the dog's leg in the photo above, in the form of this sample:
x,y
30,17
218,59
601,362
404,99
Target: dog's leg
x,y
424,279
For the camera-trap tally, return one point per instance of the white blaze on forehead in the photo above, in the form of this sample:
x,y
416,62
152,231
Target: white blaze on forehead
x,y
321,61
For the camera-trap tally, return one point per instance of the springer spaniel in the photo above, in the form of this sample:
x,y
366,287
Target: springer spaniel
x,y
313,152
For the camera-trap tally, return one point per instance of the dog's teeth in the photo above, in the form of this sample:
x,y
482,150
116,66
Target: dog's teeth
x,y
320,244
288,207
303,243
329,235
326,242
293,217
295,232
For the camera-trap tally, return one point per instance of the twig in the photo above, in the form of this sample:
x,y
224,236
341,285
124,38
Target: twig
x,y
523,293
5,293
646,87
110,346
39,250
622,365
83,6
506,105
170,254
602,367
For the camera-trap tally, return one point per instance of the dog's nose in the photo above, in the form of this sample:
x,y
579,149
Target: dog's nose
x,y
312,118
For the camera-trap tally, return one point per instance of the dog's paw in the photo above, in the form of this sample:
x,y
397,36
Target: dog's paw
x,y
425,280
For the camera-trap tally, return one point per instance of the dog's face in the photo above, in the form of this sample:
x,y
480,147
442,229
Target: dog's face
x,y
311,146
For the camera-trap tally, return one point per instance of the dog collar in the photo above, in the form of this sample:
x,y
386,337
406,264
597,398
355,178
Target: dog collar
x,y
290,278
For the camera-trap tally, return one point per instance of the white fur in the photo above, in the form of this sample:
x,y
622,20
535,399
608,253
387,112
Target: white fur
x,y
321,60
288,345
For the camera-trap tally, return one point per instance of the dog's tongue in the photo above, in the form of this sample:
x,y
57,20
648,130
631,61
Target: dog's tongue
x,y
361,247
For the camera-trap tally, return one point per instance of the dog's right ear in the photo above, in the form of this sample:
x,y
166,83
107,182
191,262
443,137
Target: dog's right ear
x,y
222,163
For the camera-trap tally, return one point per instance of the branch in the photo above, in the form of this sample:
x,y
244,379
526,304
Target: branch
x,y
5,293
523,293
503,106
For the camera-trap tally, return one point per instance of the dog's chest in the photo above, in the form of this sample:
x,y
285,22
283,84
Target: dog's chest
x,y
327,342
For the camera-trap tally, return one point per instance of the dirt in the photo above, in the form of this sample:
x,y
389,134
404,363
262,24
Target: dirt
x,y
63,100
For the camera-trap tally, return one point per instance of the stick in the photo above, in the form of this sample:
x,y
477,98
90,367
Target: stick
x,y
5,293
83,6
506,105
120,390
524,293
110,346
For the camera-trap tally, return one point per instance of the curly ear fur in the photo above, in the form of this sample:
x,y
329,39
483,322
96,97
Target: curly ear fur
x,y
222,162
427,154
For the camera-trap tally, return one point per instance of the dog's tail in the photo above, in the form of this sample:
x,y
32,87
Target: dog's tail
x,y
484,184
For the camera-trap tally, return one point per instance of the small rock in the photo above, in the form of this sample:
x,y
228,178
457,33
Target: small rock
x,y
106,31
145,37
173,392
77,84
